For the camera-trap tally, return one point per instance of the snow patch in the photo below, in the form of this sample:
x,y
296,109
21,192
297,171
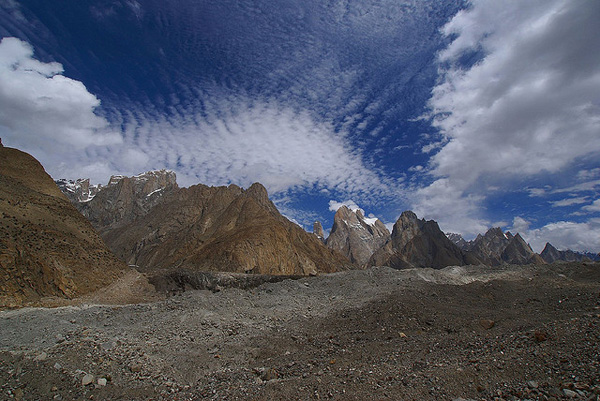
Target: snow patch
x,y
370,220
155,191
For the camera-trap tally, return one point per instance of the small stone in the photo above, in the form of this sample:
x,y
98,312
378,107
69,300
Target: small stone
x,y
102,381
41,356
540,336
57,366
533,384
269,374
87,379
136,368
570,393
487,324
54,388
402,335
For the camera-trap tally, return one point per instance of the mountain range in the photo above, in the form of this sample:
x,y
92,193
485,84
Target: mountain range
x,y
68,238
151,223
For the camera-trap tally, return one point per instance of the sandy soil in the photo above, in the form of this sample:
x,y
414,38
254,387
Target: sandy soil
x,y
515,332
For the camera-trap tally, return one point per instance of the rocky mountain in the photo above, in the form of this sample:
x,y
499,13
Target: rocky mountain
x,y
496,247
150,222
318,231
125,199
419,243
78,191
47,248
550,254
458,240
518,252
355,236
489,247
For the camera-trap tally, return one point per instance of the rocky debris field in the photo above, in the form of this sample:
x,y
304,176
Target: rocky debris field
x,y
461,333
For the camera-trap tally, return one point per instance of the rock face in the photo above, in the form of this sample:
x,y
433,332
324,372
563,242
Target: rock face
x,y
125,199
496,248
150,222
318,231
550,254
458,240
518,252
47,248
78,191
419,243
355,236
489,247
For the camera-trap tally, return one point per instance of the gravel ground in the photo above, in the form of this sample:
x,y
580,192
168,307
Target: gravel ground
x,y
510,333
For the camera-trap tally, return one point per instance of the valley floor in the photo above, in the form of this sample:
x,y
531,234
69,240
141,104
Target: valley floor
x,y
516,332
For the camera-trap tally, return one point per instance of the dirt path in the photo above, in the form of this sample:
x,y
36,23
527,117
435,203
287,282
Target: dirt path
x,y
376,334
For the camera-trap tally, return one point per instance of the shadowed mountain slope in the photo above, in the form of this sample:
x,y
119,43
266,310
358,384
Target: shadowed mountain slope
x,y
419,243
47,248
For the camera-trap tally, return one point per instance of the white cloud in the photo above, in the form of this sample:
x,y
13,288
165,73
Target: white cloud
x,y
530,105
520,225
562,234
594,207
416,169
350,204
244,140
40,109
591,174
227,137
450,207
570,201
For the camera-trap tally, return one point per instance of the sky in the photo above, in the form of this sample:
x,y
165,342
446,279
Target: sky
x,y
475,114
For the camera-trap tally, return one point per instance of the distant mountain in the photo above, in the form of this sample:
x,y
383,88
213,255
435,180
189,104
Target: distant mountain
x,y
458,240
355,236
496,247
490,246
518,252
126,199
550,254
150,222
419,243
47,248
78,191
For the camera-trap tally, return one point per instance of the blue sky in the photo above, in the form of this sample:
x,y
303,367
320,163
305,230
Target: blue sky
x,y
475,114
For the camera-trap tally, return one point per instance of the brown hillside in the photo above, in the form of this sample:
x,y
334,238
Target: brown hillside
x,y
47,248
217,229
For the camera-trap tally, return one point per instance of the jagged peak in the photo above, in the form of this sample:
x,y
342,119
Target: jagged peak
x,y
495,232
258,191
342,212
408,215
318,229
169,175
549,248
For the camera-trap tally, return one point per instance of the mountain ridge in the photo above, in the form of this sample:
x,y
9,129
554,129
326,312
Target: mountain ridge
x,y
156,225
